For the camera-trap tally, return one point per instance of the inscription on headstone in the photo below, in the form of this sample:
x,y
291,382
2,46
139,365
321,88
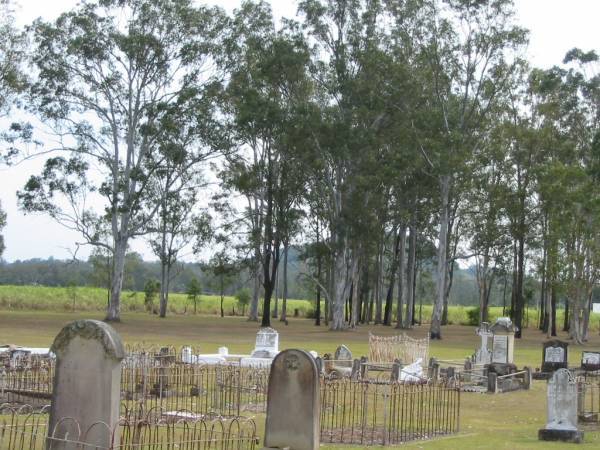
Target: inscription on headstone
x,y
500,349
293,406
267,343
590,361
504,341
554,355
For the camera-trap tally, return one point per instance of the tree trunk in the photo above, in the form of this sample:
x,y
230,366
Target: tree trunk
x,y
401,252
378,293
113,313
387,315
276,306
253,310
553,307
410,276
285,282
519,299
164,289
435,330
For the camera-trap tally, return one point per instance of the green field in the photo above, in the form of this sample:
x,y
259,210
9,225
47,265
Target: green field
x,y
89,299
505,421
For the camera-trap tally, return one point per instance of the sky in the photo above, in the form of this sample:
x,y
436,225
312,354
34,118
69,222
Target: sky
x,y
555,27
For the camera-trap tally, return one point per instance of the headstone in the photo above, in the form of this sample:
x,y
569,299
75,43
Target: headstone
x,y
503,341
86,385
319,362
483,354
590,361
293,402
343,356
562,409
267,343
355,370
554,355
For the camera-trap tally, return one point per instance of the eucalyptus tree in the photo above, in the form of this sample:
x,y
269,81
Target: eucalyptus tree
x,y
345,35
186,144
12,83
568,181
266,101
109,73
465,55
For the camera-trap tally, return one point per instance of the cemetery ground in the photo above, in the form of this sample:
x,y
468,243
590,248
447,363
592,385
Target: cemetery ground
x,y
509,420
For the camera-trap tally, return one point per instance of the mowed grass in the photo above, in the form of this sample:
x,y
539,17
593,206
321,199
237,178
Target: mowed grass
x,y
90,300
502,421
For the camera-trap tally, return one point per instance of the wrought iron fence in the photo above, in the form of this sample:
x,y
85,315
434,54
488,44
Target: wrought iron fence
x,y
382,413
26,429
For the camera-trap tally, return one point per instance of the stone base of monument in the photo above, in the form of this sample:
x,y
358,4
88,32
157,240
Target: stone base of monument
x,y
541,375
573,436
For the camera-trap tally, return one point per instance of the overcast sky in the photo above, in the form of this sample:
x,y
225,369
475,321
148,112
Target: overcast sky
x,y
555,25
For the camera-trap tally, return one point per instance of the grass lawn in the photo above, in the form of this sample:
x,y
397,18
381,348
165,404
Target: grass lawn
x,y
500,421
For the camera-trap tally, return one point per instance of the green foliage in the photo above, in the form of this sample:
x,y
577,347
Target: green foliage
x,y
151,289
243,297
193,292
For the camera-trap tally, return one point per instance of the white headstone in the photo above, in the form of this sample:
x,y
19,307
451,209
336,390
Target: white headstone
x,y
483,354
267,343
500,349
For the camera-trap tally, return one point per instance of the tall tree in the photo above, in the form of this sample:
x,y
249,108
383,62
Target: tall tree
x,y
465,57
109,73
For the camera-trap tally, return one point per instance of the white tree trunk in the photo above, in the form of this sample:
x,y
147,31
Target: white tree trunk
x,y
435,330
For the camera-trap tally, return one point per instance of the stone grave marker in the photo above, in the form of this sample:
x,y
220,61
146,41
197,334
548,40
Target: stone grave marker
x,y
483,354
562,409
503,342
343,356
293,402
86,385
554,355
267,343
590,361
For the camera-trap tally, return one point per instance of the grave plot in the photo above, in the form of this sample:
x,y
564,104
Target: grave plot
x,y
26,428
386,413
490,370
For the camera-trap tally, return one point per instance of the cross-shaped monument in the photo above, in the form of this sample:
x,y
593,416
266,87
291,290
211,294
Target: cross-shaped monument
x,y
483,355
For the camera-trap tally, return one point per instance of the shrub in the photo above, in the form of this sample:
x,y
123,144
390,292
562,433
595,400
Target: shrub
x,y
243,297
473,316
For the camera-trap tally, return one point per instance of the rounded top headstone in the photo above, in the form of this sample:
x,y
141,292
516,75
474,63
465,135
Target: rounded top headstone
x,y
90,330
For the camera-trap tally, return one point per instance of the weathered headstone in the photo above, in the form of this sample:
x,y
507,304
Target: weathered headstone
x,y
267,343
562,409
343,356
590,361
86,385
503,341
554,355
293,406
